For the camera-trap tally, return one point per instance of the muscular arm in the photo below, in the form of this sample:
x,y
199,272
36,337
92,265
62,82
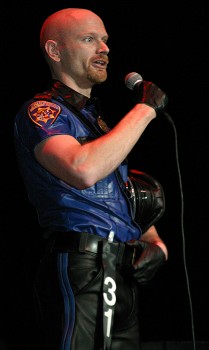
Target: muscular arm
x,y
83,165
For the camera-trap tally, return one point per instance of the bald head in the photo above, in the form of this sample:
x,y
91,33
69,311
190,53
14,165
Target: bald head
x,y
61,22
74,43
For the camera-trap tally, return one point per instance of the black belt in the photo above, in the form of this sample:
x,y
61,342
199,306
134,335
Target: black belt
x,y
84,242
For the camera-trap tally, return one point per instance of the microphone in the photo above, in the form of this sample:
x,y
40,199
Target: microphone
x,y
132,80
152,95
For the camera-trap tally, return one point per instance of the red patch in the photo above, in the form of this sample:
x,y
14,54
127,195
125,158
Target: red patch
x,y
43,112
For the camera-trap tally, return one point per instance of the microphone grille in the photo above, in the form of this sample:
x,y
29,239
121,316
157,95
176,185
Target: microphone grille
x,y
132,79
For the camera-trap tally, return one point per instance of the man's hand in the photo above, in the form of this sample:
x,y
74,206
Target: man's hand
x,y
151,95
149,258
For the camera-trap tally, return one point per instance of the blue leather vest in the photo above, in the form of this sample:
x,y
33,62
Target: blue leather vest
x,y
60,207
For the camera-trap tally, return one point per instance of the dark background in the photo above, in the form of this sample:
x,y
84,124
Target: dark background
x,y
166,44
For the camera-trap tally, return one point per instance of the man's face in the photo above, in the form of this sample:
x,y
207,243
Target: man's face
x,y
84,51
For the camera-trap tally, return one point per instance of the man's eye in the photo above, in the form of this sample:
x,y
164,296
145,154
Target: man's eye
x,y
88,39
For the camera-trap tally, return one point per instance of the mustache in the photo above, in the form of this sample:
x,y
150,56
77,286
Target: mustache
x,y
101,57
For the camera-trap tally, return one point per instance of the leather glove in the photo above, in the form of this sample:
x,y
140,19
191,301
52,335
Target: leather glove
x,y
149,258
151,95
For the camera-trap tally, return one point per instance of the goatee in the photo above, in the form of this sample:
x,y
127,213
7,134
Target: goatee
x,y
97,77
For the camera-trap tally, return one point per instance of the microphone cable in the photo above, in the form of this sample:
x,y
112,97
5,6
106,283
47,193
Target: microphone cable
x,y
182,229
132,81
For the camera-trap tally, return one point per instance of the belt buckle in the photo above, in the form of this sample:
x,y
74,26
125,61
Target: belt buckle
x,y
111,236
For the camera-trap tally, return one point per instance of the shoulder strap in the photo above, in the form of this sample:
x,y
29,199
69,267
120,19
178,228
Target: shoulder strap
x,y
81,117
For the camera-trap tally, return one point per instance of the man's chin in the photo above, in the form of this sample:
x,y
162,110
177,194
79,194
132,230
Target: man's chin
x,y
98,78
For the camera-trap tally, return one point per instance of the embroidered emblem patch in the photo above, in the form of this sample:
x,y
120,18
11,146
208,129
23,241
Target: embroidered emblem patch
x,y
43,112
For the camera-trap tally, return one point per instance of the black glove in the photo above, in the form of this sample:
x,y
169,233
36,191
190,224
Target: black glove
x,y
149,258
151,95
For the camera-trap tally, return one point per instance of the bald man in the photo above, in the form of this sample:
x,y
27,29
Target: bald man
x,y
75,169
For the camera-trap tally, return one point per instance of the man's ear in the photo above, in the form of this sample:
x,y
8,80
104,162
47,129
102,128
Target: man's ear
x,y
52,50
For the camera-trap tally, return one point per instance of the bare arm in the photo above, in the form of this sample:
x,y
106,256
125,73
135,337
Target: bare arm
x,y
83,165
